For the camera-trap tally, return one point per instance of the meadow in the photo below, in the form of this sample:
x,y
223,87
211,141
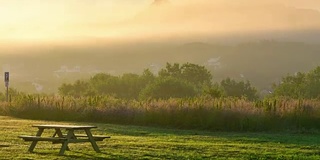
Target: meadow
x,y
136,142
203,113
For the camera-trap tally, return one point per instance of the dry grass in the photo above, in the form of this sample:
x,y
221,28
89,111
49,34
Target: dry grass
x,y
215,114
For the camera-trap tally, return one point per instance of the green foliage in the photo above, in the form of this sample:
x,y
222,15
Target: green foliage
x,y
78,89
215,91
127,86
238,89
104,84
147,77
168,87
173,81
300,85
171,71
176,80
192,73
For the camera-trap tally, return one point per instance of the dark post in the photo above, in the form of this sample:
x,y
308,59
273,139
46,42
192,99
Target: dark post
x,y
6,80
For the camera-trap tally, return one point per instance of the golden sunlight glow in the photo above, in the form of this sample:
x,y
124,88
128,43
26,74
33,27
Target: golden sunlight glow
x,y
58,20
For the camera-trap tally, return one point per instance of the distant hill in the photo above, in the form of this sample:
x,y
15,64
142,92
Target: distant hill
x,y
261,62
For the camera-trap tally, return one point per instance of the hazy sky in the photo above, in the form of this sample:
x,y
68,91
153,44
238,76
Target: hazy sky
x,y
56,20
41,19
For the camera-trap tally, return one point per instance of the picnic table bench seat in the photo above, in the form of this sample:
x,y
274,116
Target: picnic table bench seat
x,y
58,139
38,138
95,137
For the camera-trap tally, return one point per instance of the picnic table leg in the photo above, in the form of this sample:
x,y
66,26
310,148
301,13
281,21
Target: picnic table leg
x,y
59,133
64,146
34,143
93,142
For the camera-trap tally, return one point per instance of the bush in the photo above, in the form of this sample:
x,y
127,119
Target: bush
x,y
168,87
239,89
299,85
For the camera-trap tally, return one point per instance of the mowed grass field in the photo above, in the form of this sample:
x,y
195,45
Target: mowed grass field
x,y
133,142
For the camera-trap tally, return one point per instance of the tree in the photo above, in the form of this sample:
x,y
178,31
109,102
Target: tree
x,y
313,83
192,73
168,87
300,85
147,77
104,84
173,81
196,74
238,89
171,71
78,89
215,91
291,86
129,86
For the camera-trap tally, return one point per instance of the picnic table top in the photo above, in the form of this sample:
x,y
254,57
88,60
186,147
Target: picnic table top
x,y
64,126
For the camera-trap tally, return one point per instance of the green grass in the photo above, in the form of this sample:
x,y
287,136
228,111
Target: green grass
x,y
133,142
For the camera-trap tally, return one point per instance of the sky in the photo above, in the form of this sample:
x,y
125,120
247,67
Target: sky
x,y
61,20
51,19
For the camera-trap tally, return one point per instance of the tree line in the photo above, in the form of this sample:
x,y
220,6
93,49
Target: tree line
x,y
185,81
300,85
174,81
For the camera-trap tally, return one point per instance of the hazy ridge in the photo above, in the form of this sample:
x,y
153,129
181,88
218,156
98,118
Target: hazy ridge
x,y
262,62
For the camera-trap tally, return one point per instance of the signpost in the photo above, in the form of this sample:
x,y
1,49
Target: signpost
x,y
6,81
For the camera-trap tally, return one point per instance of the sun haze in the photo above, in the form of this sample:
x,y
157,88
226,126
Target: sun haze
x,y
33,20
60,20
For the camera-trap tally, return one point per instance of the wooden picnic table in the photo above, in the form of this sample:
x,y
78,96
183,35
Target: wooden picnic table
x,y
64,139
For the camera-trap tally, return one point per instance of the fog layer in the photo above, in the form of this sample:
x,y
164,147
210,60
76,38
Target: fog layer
x,y
58,20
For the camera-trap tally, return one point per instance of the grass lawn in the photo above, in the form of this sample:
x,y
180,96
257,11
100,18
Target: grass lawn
x,y
132,142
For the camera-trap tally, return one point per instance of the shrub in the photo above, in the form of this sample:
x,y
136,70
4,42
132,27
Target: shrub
x,y
168,87
239,89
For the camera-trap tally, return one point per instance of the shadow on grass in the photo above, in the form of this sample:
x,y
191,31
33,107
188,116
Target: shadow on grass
x,y
290,137
4,146
72,155
295,138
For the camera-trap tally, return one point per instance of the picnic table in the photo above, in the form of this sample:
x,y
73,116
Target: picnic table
x,y
60,138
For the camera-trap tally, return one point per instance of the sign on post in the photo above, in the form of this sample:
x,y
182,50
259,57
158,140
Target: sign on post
x,y
6,78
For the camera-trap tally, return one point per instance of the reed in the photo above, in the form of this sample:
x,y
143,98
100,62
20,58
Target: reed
x,y
207,113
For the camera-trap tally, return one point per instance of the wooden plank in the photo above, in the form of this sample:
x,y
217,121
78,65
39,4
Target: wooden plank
x,y
95,137
75,127
34,143
92,141
65,143
38,138
100,138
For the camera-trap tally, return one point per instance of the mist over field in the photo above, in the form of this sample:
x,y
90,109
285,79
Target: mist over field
x,y
45,43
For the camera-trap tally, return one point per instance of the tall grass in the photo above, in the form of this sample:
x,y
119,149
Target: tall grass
x,y
216,114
